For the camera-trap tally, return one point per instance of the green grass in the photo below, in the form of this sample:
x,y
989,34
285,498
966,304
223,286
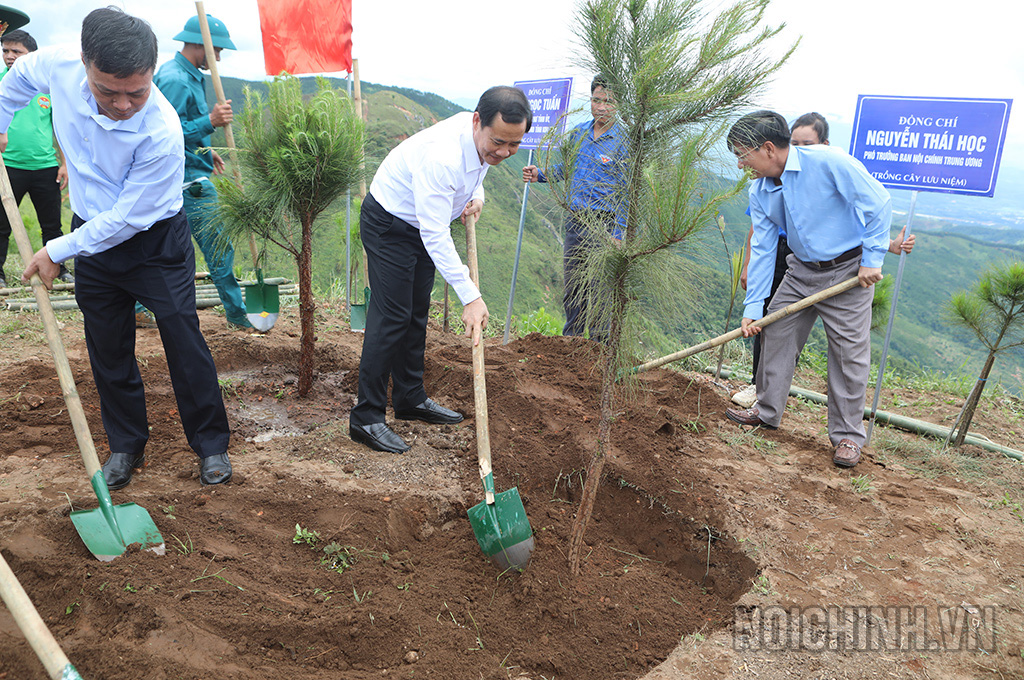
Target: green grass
x,y
925,456
539,321
748,438
862,484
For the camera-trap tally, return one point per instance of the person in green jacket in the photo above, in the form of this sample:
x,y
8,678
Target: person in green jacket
x,y
182,82
34,163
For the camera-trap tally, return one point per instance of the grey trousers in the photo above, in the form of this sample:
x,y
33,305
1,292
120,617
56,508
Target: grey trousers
x,y
847,321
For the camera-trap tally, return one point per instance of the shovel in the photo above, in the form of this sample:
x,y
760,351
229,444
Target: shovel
x,y
445,327
109,529
39,637
737,332
499,522
357,313
262,300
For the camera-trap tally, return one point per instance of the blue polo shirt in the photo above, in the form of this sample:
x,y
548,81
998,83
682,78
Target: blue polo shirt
x,y
598,171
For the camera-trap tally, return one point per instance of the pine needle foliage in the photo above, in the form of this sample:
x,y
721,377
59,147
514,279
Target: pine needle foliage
x,y
296,159
678,76
994,312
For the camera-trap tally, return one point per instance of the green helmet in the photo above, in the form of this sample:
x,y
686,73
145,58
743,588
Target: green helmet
x,y
218,33
13,18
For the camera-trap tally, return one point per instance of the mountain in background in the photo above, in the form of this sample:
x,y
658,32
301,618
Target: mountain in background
x,y
1000,218
958,237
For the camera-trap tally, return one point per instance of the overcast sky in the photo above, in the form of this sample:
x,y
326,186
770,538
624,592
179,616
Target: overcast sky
x,y
458,48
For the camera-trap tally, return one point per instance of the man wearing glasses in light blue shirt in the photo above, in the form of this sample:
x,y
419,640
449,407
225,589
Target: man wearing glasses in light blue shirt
x,y
836,217
130,239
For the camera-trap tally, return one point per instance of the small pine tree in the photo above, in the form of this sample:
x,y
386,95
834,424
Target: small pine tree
x,y
296,158
994,311
677,75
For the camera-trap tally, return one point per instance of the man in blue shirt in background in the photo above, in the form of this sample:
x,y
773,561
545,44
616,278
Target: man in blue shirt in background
x,y
836,218
594,196
181,81
129,236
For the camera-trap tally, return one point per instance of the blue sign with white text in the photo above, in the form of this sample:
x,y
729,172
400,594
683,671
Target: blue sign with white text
x,y
549,100
931,143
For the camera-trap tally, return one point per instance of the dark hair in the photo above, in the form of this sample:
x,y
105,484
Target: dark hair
x,y
509,101
754,129
814,120
598,81
22,38
118,43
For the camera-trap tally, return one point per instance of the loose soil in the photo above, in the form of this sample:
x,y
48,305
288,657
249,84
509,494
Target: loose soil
x,y
703,531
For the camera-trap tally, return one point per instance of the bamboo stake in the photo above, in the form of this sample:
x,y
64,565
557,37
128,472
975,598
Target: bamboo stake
x,y
358,101
218,88
760,323
39,637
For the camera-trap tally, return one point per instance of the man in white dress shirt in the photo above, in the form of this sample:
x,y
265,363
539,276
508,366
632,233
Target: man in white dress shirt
x,y
424,184
130,239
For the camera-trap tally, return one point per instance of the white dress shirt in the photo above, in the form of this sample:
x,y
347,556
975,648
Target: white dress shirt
x,y
427,181
124,176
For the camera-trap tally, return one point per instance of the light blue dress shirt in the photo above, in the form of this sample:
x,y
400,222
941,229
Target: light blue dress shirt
x,y
827,204
124,176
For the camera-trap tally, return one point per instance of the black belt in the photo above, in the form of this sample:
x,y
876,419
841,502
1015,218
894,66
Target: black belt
x,y
845,257
77,221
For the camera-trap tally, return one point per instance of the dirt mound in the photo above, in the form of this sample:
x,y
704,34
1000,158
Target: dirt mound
x,y
694,518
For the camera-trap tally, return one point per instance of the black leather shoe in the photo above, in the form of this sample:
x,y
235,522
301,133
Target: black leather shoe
x,y
215,469
119,468
379,437
429,412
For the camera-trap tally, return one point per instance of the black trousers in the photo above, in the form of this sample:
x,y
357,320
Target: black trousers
x,y
401,280
42,188
578,297
157,268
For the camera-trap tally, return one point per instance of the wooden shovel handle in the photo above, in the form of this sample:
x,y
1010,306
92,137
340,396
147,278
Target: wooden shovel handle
x,y
211,62
31,624
218,88
760,323
60,357
483,437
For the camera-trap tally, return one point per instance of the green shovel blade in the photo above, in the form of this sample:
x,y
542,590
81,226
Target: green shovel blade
x,y
357,314
262,304
69,673
503,530
263,321
109,529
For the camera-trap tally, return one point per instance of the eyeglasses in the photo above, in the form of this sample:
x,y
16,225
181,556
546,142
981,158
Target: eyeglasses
x,y
743,156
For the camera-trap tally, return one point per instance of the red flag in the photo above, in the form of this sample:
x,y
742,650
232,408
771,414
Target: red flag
x,y
306,36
